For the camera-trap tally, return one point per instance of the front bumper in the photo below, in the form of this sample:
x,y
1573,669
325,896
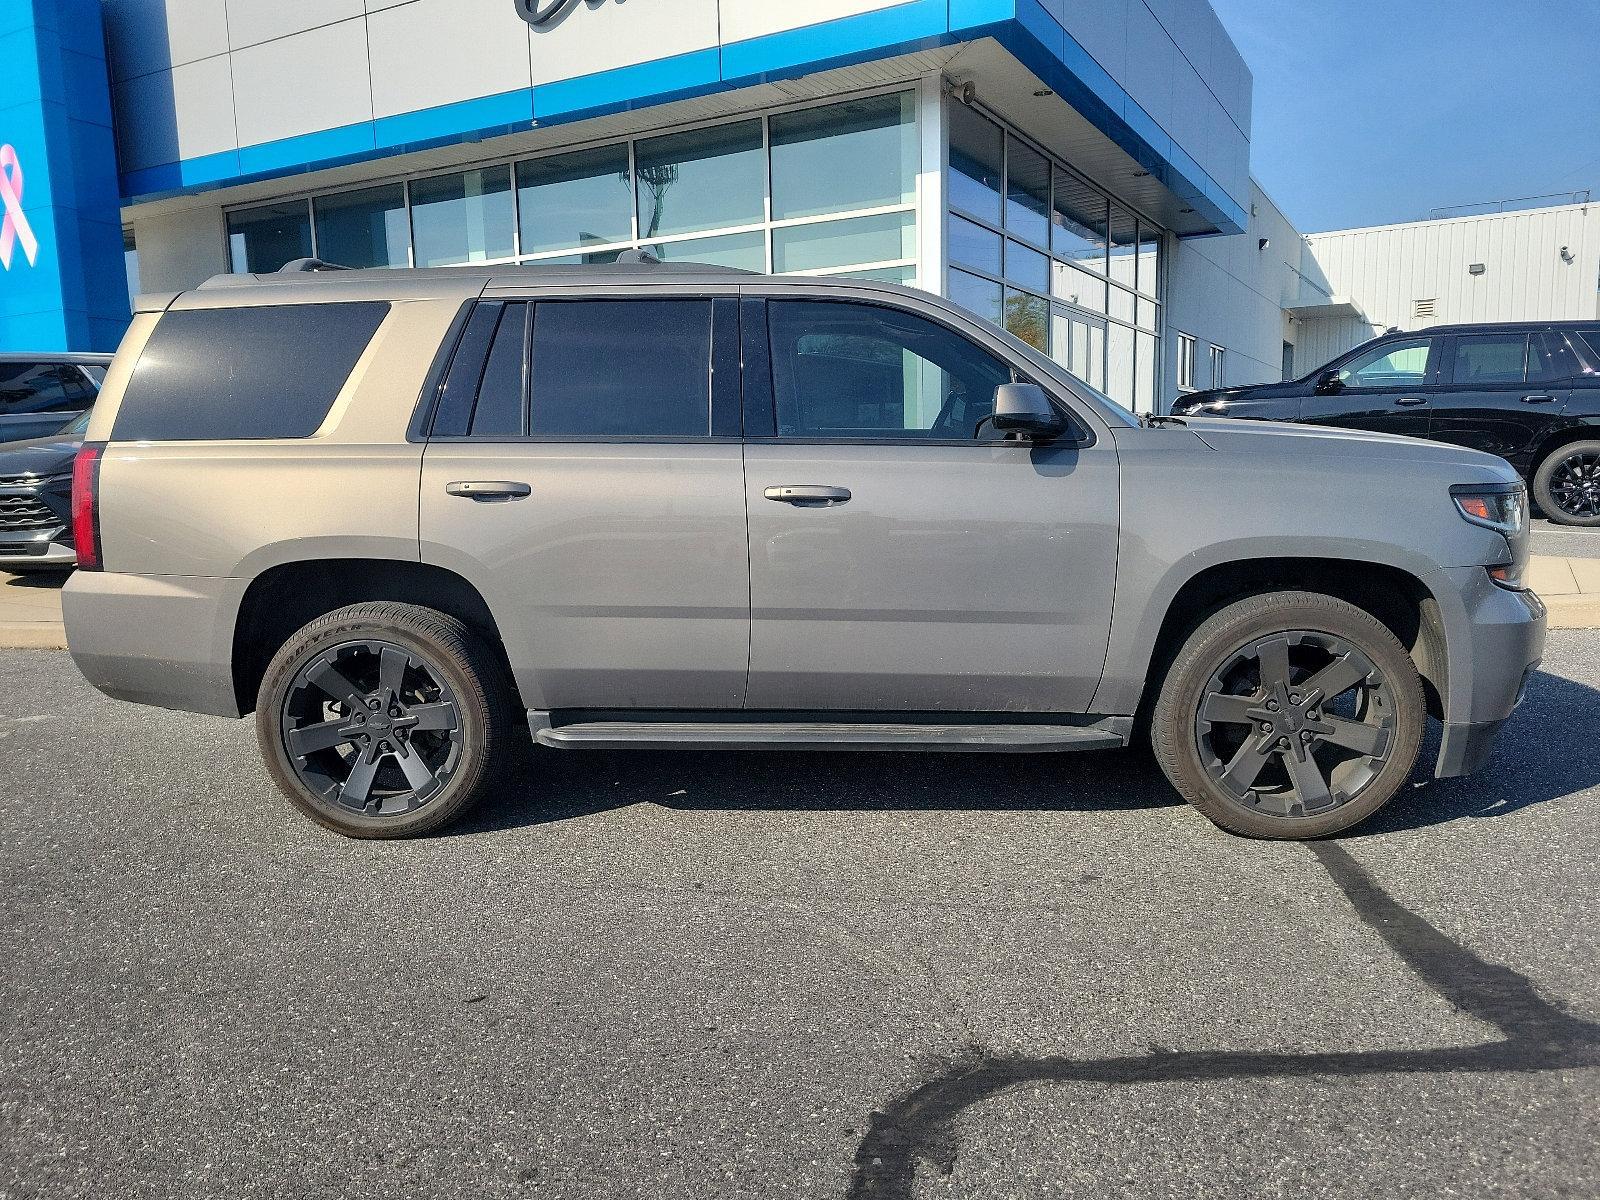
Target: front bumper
x,y
1495,641
42,554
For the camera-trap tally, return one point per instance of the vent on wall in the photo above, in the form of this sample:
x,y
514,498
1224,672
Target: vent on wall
x,y
1422,310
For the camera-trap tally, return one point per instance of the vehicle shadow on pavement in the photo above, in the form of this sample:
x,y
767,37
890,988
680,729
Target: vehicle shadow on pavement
x,y
553,785
1547,751
52,581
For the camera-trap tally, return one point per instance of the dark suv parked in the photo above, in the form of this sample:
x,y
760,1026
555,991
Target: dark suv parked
x,y
1529,392
41,394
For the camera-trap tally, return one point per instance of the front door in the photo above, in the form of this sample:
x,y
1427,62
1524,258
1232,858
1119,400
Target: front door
x,y
573,477
1505,391
1387,389
902,556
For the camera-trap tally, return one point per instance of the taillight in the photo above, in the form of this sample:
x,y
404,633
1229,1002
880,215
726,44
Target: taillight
x,y
86,507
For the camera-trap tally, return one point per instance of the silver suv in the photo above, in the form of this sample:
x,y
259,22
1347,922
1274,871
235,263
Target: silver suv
x,y
408,518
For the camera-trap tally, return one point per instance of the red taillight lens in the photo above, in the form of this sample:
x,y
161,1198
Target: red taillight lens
x,y
86,507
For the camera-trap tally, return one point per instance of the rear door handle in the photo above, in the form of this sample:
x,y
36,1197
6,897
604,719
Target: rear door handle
x,y
1410,401
488,490
1538,399
808,493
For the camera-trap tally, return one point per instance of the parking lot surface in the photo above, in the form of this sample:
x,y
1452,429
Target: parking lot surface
x,y
706,975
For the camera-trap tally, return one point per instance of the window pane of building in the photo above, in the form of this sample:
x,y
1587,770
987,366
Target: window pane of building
x,y
365,228
977,296
263,239
1147,365
973,246
885,238
1027,268
1078,288
861,154
1146,313
746,251
1119,364
657,376
1028,317
1027,194
906,276
462,218
1149,272
1124,247
1078,223
573,200
1186,349
977,158
703,179
1121,305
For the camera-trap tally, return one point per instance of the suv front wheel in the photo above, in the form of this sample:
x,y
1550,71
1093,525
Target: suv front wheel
x,y
383,720
1289,715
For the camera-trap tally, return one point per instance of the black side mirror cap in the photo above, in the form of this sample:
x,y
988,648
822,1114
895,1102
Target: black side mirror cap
x,y
1328,383
1024,408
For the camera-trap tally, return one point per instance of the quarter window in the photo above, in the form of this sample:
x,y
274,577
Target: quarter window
x,y
1396,365
859,371
622,368
1550,359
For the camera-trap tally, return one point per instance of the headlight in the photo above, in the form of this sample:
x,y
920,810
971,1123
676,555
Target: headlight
x,y
1503,508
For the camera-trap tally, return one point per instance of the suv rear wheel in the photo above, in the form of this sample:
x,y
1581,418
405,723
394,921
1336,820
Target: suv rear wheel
x,y
1289,715
383,720
1567,484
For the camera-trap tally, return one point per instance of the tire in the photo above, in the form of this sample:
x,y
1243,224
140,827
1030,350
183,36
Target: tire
x,y
1246,772
440,731
1567,484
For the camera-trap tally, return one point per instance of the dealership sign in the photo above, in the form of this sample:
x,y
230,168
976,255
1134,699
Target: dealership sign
x,y
542,12
14,228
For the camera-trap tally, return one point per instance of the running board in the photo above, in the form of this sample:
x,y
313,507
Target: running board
x,y
1108,733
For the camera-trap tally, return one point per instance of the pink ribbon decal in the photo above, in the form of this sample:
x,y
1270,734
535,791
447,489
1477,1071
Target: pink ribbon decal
x,y
15,229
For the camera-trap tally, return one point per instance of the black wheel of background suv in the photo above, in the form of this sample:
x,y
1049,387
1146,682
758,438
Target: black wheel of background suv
x,y
383,720
1567,484
1289,715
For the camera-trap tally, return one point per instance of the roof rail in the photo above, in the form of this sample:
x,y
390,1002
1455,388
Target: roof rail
x,y
302,266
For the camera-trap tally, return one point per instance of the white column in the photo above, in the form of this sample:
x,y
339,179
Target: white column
x,y
931,203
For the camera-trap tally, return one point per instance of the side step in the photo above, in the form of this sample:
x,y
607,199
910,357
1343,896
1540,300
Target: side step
x,y
1107,733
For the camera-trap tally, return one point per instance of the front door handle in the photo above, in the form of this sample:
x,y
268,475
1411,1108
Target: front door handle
x,y
808,493
1538,399
1410,401
488,490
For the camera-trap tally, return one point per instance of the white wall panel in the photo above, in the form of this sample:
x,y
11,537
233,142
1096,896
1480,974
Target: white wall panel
x,y
186,112
253,21
618,35
302,84
145,36
434,52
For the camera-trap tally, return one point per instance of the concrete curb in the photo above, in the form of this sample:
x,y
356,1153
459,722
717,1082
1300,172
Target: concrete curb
x,y
32,636
1573,612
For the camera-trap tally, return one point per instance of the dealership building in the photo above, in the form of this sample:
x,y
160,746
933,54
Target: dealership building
x,y
1075,170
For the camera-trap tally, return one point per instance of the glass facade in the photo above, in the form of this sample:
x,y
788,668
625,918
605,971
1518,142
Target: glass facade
x,y
824,190
1035,246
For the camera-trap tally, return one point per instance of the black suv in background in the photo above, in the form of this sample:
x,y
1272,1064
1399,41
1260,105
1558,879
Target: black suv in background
x,y
1528,392
41,394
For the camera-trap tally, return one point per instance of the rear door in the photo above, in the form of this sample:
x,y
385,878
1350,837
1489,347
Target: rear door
x,y
1388,388
1504,391
902,556
575,477
40,398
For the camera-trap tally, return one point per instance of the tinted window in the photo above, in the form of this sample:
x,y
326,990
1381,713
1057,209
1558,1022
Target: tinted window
x,y
622,368
854,370
1482,359
459,392
500,396
217,374
42,388
1591,339
1396,365
1550,359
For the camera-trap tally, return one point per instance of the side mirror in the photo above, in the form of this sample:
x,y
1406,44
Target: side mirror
x,y
1329,383
1024,408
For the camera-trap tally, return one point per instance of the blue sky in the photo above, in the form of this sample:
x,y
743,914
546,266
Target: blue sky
x,y
1374,111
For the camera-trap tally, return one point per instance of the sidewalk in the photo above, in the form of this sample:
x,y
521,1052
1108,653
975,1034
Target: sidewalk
x,y
30,605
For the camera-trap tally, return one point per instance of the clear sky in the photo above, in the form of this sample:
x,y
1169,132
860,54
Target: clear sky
x,y
1374,111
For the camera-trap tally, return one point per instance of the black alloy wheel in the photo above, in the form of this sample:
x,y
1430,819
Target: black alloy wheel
x,y
1295,724
1574,485
372,727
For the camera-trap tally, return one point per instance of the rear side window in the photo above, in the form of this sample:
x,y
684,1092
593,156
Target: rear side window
x,y
1483,359
233,373
32,387
1591,339
621,368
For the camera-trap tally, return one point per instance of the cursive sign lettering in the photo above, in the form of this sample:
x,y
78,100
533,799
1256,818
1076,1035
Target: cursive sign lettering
x,y
542,12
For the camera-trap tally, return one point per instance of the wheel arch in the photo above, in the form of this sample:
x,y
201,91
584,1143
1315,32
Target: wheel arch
x,y
1579,429
290,595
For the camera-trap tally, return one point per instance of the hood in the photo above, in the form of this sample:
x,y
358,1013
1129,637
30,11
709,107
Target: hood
x,y
41,457
1277,437
1192,401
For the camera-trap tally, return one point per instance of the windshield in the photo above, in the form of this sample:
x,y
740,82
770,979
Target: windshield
x,y
79,427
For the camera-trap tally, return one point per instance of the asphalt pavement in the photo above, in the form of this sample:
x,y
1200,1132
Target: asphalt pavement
x,y
1565,541
739,975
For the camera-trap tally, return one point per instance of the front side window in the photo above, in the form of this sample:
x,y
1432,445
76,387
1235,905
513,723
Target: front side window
x,y
621,368
1483,360
1396,365
845,370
